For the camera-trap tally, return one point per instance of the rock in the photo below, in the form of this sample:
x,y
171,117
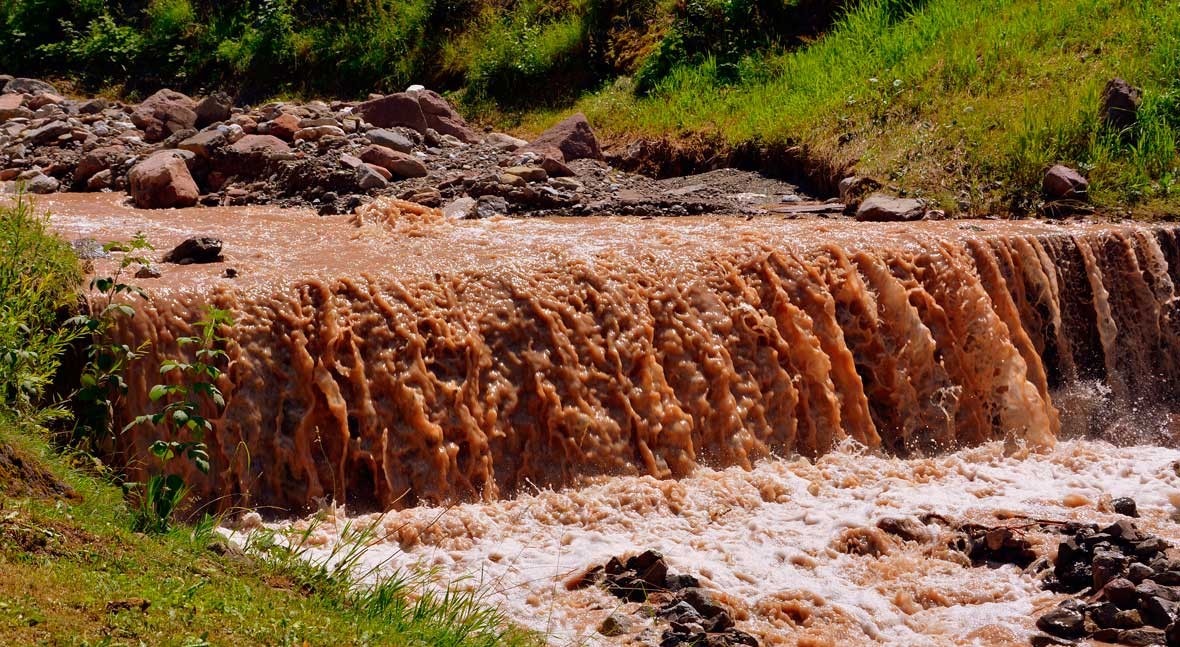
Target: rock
x,y
528,173
1125,506
42,184
555,167
509,180
1107,565
261,148
1104,614
350,161
283,126
1062,622
700,600
381,170
48,133
852,189
93,106
879,207
398,163
315,133
490,205
567,184
650,567
1142,636
1043,640
443,118
148,272
1064,183
213,108
104,179
1121,592
205,143
1156,611
616,624
99,159
368,179
45,99
12,106
1172,634
401,109
907,528
28,86
571,139
163,181
204,249
460,209
505,142
1120,105
164,113
390,139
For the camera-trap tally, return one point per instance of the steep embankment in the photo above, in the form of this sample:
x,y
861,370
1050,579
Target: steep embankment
x,y
965,103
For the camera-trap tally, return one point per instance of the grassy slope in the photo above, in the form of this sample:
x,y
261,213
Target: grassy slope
x,y
964,101
71,573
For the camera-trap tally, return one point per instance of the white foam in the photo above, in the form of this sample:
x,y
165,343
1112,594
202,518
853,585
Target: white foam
x,y
764,538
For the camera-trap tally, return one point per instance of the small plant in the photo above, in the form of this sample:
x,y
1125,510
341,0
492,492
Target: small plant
x,y
181,417
102,382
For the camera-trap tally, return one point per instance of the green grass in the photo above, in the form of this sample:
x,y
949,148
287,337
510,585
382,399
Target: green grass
x,y
966,102
73,573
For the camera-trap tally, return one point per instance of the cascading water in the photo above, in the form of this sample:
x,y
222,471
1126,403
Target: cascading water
x,y
396,359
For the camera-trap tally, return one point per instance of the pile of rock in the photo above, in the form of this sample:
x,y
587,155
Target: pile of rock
x,y
172,150
688,613
1127,583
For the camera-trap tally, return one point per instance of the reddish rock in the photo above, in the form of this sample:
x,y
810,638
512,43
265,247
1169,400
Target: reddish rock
x,y
284,126
400,164
1064,183
212,109
883,208
381,170
442,117
97,160
164,113
12,106
555,167
45,99
571,139
399,109
261,147
163,181
204,143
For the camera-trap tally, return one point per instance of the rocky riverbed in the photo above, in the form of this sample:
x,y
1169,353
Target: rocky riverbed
x,y
172,150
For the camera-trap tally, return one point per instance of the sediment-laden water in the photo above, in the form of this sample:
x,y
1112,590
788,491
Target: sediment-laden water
x,y
394,359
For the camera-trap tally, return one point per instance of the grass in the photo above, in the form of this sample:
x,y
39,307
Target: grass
x,y
965,102
73,572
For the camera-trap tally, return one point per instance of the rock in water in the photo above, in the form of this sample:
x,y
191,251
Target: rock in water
x,y
163,181
1064,183
195,250
883,208
572,138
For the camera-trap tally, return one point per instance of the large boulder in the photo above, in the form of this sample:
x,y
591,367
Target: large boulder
x,y
401,109
1120,104
572,139
399,164
213,108
98,160
28,86
163,181
1064,183
442,117
884,208
164,113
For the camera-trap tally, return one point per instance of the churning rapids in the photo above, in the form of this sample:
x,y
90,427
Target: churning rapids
x,y
532,397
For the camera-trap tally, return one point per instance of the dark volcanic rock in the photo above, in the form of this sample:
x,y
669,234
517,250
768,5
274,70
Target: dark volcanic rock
x,y
195,250
1063,622
213,108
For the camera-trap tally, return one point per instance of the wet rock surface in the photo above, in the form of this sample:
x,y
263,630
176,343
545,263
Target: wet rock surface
x,y
675,606
411,145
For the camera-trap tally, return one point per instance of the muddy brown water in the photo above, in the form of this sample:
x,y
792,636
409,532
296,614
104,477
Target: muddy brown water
x,y
411,360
